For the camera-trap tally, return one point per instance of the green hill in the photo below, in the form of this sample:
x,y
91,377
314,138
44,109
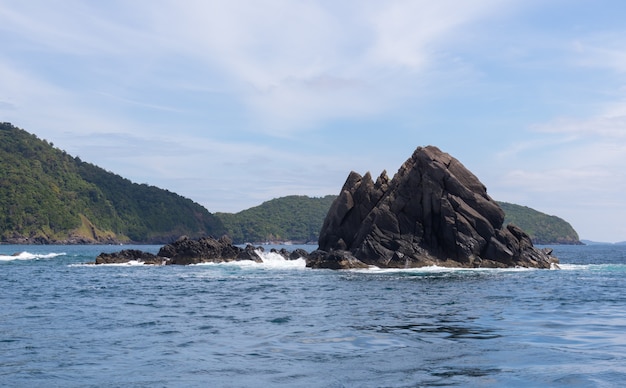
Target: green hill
x,y
542,228
300,218
47,195
292,218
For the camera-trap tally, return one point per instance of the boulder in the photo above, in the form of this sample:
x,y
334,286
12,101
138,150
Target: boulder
x,y
249,253
336,259
433,212
298,253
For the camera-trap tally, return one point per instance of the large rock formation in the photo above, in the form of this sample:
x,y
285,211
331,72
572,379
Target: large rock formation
x,y
433,212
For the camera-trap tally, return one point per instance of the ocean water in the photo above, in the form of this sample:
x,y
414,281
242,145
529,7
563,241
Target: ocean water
x,y
67,324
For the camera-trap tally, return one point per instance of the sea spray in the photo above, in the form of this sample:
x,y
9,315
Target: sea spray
x,y
269,260
29,256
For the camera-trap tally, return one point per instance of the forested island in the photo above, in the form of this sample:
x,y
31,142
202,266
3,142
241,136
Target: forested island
x,y
48,196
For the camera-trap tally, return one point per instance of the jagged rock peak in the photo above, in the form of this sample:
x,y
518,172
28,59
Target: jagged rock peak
x,y
433,212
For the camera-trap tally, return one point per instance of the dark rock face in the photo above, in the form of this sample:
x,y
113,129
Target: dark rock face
x,y
433,212
206,250
128,255
297,254
186,251
336,259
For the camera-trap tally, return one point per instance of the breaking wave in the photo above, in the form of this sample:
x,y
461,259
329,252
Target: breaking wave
x,y
270,260
29,256
608,267
131,263
434,269
442,270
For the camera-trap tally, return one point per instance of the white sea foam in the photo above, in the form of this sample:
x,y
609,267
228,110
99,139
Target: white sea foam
x,y
131,263
270,260
127,264
29,256
594,267
573,267
275,260
438,269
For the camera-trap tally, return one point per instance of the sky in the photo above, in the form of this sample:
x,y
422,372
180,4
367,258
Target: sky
x,y
233,103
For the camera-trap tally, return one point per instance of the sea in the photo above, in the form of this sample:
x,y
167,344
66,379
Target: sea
x,y
65,323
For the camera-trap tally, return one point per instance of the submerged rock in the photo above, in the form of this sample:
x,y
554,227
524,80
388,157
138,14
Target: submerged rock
x,y
433,212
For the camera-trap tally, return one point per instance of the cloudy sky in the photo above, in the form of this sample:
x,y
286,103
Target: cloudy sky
x,y
232,103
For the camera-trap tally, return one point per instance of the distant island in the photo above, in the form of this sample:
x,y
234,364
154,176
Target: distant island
x,y
50,197
589,242
542,228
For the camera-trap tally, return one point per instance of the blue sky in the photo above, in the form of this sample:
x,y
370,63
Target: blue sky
x,y
232,103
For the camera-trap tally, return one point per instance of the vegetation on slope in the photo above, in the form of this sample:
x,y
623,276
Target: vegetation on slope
x,y
542,228
293,218
47,195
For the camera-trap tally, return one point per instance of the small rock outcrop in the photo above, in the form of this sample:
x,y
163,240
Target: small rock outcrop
x,y
128,255
206,250
185,251
433,212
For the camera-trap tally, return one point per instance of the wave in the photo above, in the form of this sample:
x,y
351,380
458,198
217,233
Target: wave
x,y
435,269
607,267
29,256
131,263
270,260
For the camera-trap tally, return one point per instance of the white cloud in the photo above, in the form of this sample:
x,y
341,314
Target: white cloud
x,y
589,197
612,125
75,28
559,180
295,64
407,33
574,169
291,64
605,50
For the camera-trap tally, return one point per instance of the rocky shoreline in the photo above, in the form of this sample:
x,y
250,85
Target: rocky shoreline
x,y
186,251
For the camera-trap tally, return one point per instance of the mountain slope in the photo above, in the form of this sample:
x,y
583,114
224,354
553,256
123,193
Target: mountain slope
x,y
291,218
47,195
542,228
